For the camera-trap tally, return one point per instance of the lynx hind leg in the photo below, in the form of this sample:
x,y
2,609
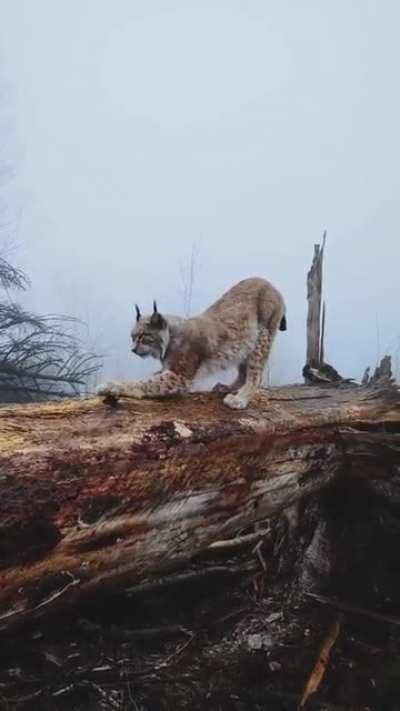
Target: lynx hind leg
x,y
110,389
254,371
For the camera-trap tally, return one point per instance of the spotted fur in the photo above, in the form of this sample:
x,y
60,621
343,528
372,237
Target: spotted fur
x,y
237,330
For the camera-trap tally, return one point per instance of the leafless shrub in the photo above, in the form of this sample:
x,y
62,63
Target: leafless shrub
x,y
41,358
11,277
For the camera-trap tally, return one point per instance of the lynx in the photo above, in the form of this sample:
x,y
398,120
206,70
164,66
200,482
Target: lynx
x,y
237,330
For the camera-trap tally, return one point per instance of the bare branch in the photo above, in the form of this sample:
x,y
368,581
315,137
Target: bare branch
x,y
11,277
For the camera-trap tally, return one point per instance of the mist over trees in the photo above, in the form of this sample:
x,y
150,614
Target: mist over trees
x,y
42,357
116,162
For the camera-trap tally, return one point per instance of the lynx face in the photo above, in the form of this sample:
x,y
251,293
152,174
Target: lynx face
x,y
150,335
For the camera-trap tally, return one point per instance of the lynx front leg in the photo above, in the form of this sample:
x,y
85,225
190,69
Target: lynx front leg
x,y
254,371
116,390
165,383
237,383
161,384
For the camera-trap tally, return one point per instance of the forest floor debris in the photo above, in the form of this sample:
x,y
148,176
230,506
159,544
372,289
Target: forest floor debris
x,y
216,647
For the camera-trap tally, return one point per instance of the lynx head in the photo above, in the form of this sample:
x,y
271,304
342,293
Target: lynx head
x,y
150,334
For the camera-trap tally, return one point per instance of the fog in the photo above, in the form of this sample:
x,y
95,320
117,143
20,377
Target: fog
x,y
132,132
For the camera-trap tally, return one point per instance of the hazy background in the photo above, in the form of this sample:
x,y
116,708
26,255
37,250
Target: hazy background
x,y
131,131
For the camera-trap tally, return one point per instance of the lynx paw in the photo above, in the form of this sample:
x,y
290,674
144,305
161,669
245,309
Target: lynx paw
x,y
236,402
111,390
221,388
135,391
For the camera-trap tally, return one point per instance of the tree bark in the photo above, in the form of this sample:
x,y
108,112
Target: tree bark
x,y
94,497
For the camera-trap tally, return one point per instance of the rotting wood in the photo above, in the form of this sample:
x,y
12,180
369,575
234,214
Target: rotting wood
x,y
383,371
94,498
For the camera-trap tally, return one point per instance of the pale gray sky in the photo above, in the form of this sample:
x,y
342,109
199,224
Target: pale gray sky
x,y
135,129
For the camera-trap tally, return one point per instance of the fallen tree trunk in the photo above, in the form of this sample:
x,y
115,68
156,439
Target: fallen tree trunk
x,y
95,497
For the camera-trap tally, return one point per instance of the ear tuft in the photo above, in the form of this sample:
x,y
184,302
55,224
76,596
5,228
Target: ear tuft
x,y
138,314
155,307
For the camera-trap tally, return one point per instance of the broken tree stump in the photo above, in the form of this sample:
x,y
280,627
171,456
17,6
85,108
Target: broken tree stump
x,y
316,371
95,497
315,344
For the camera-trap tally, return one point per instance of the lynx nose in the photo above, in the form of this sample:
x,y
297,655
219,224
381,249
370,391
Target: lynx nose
x,y
134,350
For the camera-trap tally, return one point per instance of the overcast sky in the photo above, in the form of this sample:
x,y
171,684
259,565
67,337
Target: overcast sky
x,y
130,131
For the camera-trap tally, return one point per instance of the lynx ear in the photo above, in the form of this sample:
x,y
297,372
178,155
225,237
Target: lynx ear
x,y
138,314
157,321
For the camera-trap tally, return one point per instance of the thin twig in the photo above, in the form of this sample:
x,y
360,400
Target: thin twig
x,y
192,576
345,607
319,670
239,541
176,653
22,611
